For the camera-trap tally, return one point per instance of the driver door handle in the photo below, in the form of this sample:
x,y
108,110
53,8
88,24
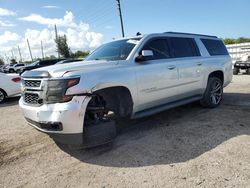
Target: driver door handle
x,y
171,67
199,64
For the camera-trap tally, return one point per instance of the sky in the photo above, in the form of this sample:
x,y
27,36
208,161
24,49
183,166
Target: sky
x,y
89,23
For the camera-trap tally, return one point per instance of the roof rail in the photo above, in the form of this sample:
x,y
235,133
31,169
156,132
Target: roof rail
x,y
170,32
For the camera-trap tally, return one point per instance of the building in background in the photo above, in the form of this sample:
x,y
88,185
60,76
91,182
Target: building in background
x,y
238,51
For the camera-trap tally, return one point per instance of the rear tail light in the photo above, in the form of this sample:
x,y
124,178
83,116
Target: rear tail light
x,y
17,79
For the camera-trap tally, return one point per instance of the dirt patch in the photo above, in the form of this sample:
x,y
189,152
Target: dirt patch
x,y
187,146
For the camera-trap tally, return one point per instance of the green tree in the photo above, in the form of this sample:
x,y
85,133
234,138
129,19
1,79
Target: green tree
x,y
79,54
1,62
236,41
13,62
229,41
62,46
242,40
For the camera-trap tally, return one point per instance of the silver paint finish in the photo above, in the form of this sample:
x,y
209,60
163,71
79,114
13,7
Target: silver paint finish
x,y
151,83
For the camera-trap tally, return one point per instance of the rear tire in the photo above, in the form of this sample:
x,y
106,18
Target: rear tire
x,y
11,71
236,71
2,95
213,94
248,71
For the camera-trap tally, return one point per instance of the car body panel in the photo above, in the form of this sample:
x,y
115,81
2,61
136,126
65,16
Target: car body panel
x,y
151,83
11,88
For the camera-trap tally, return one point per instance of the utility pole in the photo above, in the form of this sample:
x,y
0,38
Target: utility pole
x,y
7,58
120,15
42,49
56,43
12,54
30,50
20,54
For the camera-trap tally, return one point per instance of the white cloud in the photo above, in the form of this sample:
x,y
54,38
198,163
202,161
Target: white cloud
x,y
51,7
8,37
6,24
79,37
66,21
6,12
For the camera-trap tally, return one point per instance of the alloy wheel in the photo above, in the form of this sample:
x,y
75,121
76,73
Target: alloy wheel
x,y
2,96
216,93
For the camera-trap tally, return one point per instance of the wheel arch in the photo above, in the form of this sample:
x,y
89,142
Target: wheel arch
x,y
6,95
218,74
118,98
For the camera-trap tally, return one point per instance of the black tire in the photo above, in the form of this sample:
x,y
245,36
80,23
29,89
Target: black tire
x,y
99,134
11,71
2,95
213,94
236,71
248,71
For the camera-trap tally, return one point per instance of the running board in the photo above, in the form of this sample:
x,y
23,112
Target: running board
x,y
155,110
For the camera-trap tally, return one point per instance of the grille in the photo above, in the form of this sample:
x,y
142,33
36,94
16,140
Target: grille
x,y
31,98
32,83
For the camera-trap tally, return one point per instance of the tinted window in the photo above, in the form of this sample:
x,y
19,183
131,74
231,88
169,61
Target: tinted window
x,y
159,47
184,47
215,47
47,62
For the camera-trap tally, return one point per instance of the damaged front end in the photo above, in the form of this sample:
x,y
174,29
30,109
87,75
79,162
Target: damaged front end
x,y
76,119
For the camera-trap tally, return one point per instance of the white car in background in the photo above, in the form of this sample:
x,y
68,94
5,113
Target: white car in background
x,y
9,85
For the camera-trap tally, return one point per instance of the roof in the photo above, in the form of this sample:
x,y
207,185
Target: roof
x,y
193,34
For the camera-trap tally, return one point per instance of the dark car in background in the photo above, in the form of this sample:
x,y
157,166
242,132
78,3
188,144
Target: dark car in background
x,y
38,64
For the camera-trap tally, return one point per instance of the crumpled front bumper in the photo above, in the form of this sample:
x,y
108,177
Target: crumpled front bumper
x,y
69,116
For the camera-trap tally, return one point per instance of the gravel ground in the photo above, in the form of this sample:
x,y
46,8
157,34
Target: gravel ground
x,y
187,146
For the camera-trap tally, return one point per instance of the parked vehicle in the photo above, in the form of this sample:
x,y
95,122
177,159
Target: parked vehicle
x,y
68,61
6,68
9,85
38,64
1,68
244,64
127,78
13,68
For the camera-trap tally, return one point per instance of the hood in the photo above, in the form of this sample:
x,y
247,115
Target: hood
x,y
84,66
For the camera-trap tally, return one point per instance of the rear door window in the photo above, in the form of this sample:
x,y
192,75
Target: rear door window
x,y
215,47
184,47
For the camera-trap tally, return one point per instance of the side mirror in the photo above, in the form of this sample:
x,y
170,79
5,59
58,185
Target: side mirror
x,y
145,55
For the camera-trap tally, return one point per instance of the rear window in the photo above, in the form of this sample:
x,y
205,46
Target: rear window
x,y
184,47
215,47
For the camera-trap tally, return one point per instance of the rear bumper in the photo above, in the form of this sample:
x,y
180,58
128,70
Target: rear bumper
x,y
55,119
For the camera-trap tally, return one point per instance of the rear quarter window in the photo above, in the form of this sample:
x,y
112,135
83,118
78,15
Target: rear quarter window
x,y
215,47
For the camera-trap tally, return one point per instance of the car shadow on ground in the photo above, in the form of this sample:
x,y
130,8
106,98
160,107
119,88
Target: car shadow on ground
x,y
173,136
10,101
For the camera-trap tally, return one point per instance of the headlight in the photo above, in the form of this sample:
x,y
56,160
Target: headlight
x,y
56,90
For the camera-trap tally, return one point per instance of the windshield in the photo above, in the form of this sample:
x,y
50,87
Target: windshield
x,y
117,50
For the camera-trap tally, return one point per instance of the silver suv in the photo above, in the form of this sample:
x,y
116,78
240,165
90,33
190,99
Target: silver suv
x,y
127,78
